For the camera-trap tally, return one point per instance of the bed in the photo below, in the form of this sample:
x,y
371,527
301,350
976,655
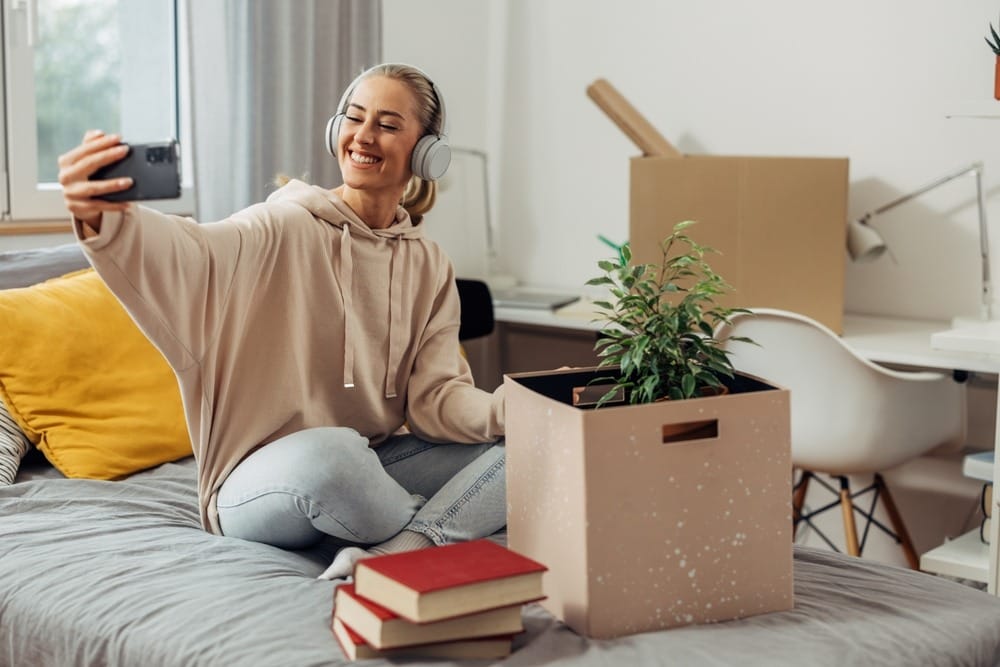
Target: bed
x,y
98,572
120,573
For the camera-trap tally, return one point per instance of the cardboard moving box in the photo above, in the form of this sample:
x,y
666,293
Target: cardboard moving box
x,y
779,222
643,529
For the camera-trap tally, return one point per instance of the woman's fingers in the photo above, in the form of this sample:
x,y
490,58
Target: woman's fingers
x,y
93,141
87,189
78,164
79,197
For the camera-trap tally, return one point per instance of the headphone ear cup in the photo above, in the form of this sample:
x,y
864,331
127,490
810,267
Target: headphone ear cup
x,y
332,132
431,157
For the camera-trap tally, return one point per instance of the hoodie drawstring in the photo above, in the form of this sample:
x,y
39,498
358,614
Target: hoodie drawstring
x,y
395,318
346,270
396,343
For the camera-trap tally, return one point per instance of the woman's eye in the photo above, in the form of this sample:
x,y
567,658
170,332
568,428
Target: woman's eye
x,y
353,119
386,126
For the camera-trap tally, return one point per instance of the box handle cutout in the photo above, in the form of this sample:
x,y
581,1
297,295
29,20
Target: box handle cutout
x,y
686,431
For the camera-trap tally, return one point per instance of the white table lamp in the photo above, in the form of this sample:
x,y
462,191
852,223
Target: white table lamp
x,y
864,243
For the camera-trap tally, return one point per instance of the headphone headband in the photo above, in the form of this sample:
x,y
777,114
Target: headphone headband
x,y
431,155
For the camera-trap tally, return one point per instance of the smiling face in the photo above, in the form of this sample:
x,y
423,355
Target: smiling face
x,y
377,136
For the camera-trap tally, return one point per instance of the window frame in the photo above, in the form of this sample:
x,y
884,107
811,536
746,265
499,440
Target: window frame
x,y
27,206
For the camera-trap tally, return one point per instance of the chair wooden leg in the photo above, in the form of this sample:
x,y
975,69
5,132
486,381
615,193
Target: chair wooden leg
x,y
799,499
850,528
897,524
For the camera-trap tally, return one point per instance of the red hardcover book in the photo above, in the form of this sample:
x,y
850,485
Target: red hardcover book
x,y
355,647
383,629
443,582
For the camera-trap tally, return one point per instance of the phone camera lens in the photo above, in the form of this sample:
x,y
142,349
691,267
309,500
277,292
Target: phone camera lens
x,y
157,154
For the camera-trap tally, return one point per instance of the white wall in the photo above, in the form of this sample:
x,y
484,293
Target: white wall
x,y
869,81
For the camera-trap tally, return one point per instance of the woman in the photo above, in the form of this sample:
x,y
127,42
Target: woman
x,y
315,340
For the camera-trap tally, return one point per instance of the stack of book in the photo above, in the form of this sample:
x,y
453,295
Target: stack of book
x,y
456,601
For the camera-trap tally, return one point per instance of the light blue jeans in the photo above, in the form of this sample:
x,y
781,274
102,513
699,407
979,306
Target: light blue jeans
x,y
324,481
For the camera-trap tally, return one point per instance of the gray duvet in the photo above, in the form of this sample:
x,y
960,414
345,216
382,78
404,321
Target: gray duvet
x,y
120,573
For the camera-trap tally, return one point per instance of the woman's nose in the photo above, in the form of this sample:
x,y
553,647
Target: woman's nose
x,y
365,133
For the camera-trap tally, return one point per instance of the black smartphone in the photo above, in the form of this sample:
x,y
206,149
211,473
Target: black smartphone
x,y
155,169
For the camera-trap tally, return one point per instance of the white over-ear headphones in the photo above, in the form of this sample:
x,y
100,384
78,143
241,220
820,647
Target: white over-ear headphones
x,y
432,154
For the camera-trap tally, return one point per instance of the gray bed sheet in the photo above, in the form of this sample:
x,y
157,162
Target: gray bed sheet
x,y
119,573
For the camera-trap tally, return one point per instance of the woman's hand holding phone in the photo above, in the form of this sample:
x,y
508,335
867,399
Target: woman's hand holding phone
x,y
78,164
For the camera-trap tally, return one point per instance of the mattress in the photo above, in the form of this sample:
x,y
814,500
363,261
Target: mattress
x,y
120,573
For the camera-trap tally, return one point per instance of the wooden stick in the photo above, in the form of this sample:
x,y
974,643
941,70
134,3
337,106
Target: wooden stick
x,y
630,121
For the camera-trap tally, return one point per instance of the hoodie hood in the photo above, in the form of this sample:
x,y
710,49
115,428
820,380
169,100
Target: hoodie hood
x,y
328,207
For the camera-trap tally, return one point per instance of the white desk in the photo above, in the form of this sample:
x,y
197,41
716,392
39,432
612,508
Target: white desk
x,y
886,340
573,317
891,340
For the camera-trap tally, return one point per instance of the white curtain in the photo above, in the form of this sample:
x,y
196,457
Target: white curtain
x,y
266,75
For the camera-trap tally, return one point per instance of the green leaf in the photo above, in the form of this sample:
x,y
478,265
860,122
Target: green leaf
x,y
613,348
606,363
744,339
611,393
626,253
602,280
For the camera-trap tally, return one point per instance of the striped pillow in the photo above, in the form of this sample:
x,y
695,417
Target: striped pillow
x,y
14,444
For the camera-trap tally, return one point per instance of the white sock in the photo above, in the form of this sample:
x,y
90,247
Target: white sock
x,y
405,540
345,560
343,563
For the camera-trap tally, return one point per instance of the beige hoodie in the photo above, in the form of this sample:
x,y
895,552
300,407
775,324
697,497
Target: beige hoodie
x,y
293,314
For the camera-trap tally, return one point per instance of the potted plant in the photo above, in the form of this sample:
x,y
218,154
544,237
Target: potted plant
x,y
662,340
994,42
653,514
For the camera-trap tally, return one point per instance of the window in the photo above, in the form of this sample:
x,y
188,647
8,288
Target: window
x,y
72,65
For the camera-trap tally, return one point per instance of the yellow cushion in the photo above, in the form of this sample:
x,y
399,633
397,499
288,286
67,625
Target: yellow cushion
x,y
85,385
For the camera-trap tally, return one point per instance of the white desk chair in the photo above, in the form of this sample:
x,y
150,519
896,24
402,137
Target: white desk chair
x,y
849,416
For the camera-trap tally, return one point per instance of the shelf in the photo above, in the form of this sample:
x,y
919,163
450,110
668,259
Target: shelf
x,y
965,557
974,109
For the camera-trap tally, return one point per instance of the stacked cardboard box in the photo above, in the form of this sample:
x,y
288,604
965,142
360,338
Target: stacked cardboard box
x,y
780,223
